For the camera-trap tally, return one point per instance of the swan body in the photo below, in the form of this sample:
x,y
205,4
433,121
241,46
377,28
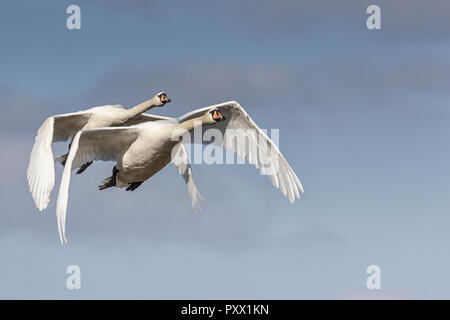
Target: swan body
x,y
143,149
140,162
63,127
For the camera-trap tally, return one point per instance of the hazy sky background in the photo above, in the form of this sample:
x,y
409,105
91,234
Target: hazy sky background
x,y
363,118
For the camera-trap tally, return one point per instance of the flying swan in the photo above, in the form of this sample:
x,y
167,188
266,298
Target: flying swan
x,y
63,127
143,149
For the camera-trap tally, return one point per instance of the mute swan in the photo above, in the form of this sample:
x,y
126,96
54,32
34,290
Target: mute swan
x,y
142,150
63,127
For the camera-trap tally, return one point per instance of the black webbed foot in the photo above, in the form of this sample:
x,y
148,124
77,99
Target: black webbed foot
x,y
84,167
133,186
109,182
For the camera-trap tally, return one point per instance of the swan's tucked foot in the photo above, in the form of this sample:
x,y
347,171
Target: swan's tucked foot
x,y
109,182
133,186
62,159
84,167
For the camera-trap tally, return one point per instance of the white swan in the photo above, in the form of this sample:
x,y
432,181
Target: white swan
x,y
142,150
63,127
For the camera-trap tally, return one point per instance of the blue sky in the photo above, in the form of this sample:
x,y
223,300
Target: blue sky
x,y
363,118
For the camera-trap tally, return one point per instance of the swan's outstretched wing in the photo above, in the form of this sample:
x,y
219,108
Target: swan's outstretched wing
x,y
95,144
241,135
146,117
181,161
41,172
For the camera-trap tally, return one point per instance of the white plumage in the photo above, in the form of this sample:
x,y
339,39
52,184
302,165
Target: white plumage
x,y
143,149
261,152
41,173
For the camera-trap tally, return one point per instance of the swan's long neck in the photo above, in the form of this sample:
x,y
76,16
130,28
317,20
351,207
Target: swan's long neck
x,y
190,124
141,108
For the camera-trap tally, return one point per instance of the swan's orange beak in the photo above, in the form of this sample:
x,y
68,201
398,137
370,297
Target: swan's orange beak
x,y
217,116
164,99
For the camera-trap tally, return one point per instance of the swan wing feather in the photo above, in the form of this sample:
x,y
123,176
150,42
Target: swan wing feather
x,y
88,145
41,171
181,162
247,140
